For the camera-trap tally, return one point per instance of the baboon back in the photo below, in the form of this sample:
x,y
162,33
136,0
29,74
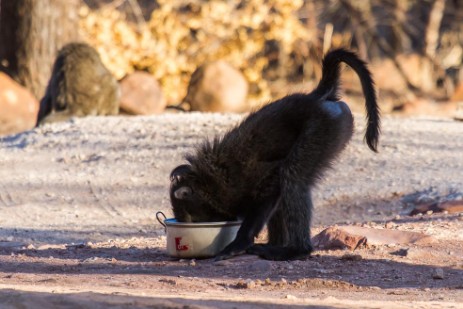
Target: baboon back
x,y
264,169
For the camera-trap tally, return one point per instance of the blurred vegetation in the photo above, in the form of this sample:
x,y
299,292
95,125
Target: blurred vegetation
x,y
275,43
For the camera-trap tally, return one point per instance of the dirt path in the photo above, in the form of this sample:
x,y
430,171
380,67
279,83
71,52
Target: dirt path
x,y
77,227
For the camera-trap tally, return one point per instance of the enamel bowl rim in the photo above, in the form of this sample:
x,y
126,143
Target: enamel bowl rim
x,y
174,223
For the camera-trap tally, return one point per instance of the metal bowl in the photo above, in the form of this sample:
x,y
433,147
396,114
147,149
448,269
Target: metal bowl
x,y
197,240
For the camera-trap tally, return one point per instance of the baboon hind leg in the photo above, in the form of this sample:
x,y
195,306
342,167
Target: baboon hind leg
x,y
317,146
288,229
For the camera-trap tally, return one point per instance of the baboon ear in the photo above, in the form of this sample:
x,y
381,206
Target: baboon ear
x,y
182,193
180,171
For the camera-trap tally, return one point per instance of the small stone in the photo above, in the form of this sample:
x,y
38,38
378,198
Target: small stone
x,y
222,263
250,284
292,297
334,238
76,246
429,212
260,266
401,252
351,257
168,281
192,263
438,273
389,225
283,281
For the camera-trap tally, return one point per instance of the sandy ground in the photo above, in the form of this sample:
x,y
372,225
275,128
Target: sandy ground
x,y
77,225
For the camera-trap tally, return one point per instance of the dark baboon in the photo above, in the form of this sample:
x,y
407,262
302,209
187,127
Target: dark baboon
x,y
262,171
80,85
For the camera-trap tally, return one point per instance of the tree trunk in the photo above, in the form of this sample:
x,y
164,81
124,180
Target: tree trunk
x,y
31,32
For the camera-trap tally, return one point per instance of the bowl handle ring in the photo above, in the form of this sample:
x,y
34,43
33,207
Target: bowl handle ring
x,y
161,221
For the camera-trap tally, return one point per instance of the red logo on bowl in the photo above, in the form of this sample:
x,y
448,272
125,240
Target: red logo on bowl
x,y
179,246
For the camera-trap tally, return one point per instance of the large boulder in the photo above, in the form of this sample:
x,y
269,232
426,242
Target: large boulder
x,y
457,95
217,87
18,107
141,94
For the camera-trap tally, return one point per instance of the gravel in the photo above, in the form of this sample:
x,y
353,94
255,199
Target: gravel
x,y
94,178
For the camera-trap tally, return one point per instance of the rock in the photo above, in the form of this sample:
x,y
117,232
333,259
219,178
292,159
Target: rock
x,y
17,105
352,237
248,284
401,252
217,87
386,237
260,266
450,207
334,238
141,94
76,246
168,281
438,273
426,106
351,257
459,112
222,263
457,95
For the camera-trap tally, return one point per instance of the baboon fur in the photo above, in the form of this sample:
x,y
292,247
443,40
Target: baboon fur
x,y
263,170
80,85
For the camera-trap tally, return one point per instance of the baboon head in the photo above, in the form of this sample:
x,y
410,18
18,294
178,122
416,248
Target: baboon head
x,y
192,197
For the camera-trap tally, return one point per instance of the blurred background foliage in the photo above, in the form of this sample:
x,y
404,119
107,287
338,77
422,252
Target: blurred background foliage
x,y
278,44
